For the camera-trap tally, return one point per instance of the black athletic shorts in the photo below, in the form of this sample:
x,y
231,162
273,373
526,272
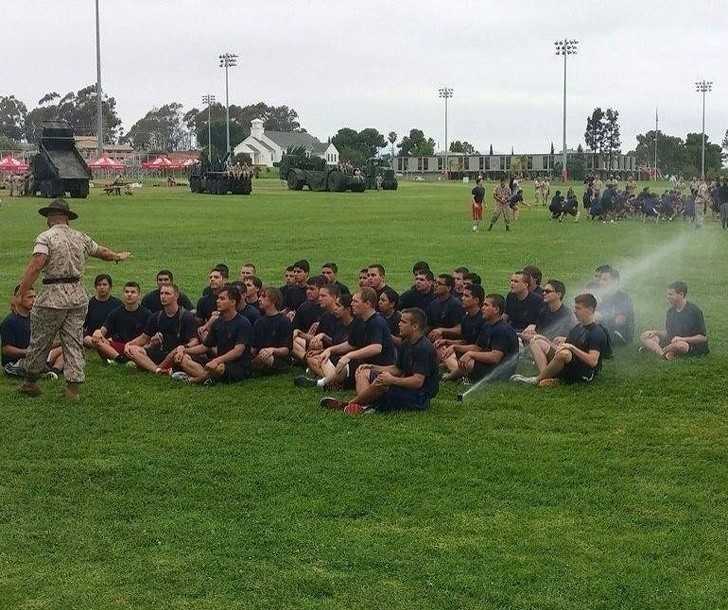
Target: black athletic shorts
x,y
234,372
156,354
575,372
402,399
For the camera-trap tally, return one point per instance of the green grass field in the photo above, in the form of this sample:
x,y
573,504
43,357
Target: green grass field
x,y
148,495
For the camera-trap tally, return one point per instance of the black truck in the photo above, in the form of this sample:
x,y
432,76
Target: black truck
x,y
58,168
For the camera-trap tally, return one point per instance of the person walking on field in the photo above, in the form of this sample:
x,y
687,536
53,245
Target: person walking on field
x,y
60,254
502,196
477,204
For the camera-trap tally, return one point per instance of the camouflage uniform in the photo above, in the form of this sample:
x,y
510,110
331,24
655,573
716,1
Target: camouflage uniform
x,y
60,308
702,201
501,195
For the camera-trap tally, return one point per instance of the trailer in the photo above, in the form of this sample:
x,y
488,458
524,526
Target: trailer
x,y
58,168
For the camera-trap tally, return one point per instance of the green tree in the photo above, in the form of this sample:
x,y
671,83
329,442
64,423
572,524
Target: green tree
x,y
358,146
595,134
12,117
161,129
714,155
490,150
463,147
612,136
392,138
416,145
79,109
671,152
725,140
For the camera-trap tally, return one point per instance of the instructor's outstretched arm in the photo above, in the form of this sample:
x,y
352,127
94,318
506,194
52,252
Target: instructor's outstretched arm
x,y
106,254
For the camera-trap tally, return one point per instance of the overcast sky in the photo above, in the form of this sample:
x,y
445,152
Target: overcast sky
x,y
379,64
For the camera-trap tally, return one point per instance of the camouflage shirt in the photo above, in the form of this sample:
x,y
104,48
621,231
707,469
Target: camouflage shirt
x,y
67,251
502,194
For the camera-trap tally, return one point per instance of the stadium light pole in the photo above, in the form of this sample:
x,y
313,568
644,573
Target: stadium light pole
x,y
565,47
446,93
99,105
209,100
703,86
227,60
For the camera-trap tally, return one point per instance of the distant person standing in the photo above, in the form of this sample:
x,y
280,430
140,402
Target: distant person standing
x,y
702,201
60,253
478,193
502,196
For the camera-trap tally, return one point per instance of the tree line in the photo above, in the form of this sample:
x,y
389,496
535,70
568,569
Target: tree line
x,y
168,128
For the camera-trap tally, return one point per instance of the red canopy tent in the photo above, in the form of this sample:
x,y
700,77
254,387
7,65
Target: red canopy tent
x,y
13,166
105,162
161,163
190,162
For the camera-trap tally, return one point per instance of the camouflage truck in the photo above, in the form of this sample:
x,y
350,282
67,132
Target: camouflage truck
x,y
58,168
220,178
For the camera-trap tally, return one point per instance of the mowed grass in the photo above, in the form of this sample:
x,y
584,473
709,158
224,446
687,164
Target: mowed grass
x,y
149,495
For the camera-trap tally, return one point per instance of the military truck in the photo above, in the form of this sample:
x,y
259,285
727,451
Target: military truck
x,y
58,168
299,171
377,168
219,178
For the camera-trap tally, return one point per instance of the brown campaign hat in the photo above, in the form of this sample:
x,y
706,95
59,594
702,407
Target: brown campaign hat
x,y
58,206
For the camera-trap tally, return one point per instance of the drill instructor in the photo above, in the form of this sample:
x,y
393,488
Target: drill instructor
x,y
60,253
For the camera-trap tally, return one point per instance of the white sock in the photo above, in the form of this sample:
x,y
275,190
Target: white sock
x,y
321,382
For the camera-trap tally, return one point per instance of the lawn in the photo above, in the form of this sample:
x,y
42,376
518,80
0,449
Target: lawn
x,y
148,495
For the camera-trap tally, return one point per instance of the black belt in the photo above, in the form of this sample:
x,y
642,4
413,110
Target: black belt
x,y
61,280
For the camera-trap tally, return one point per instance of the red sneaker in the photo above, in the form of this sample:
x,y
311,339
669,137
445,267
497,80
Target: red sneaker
x,y
332,403
354,408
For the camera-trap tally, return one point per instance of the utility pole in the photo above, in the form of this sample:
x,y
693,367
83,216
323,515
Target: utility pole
x,y
446,93
703,87
209,100
99,105
656,130
565,47
227,60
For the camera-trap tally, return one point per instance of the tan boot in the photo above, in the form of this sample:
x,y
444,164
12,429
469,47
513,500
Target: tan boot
x,y
72,392
30,388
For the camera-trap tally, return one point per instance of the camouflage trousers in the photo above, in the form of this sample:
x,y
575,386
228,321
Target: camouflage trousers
x,y
501,210
67,324
699,212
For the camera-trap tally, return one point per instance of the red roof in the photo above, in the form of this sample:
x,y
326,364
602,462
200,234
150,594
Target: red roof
x,y
9,164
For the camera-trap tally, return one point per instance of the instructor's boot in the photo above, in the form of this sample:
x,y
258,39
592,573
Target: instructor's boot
x,y
72,392
508,227
30,388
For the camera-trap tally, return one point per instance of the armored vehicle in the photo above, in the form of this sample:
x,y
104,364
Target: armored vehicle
x,y
58,168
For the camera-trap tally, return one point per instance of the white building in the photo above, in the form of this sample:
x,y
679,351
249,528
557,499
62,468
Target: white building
x,y
267,147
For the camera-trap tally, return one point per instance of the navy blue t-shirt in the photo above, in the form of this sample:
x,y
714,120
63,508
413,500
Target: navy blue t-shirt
x,y
342,332
499,336
272,331
613,305
470,327
153,303
687,323
251,312
420,358
205,306
393,322
587,338
523,313
97,313
306,314
374,330
226,334
414,298
294,297
15,331
124,325
555,323
176,330
327,324
444,313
